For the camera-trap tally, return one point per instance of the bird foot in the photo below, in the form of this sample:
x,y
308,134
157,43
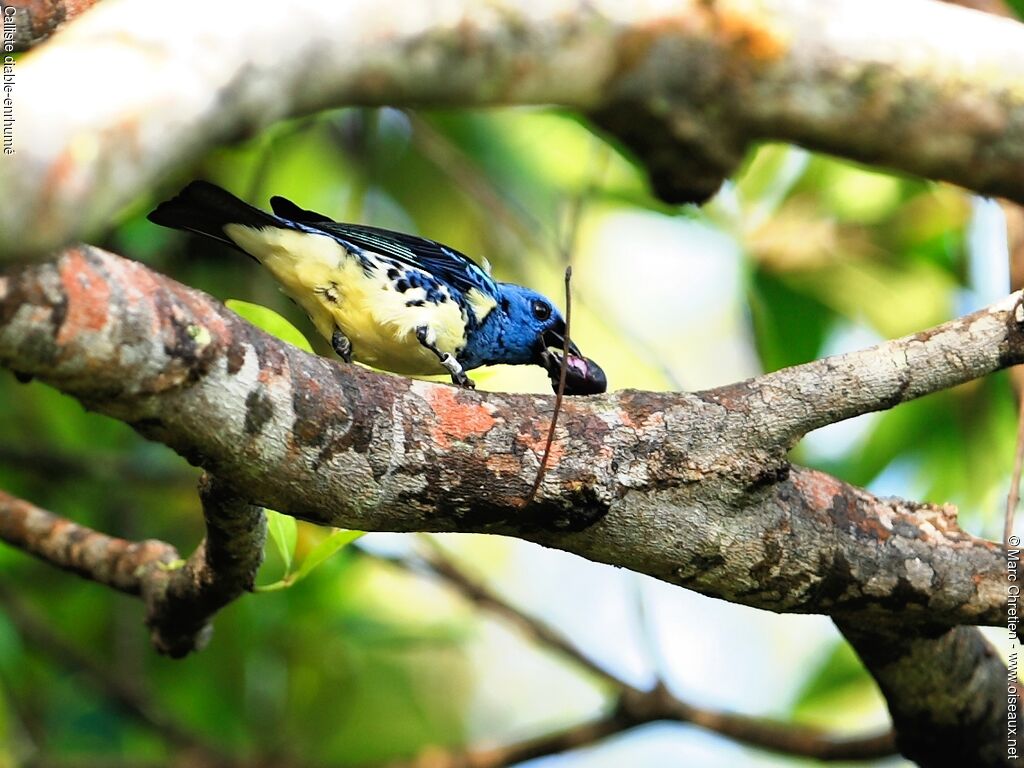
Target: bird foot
x,y
459,377
342,345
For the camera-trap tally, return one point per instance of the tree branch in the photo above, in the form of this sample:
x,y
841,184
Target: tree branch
x,y
941,682
632,713
222,568
694,489
181,598
122,565
932,91
792,402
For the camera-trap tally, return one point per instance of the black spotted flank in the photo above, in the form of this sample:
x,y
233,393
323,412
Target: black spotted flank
x,y
392,274
415,303
402,286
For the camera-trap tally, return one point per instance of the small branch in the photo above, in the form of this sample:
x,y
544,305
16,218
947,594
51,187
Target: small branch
x,y
790,403
117,563
221,570
559,394
477,592
634,706
180,598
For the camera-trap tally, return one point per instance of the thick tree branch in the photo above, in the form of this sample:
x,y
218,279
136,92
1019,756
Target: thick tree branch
x,y
943,682
932,91
180,597
692,489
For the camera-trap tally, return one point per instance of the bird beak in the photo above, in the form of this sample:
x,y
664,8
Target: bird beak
x,y
582,376
554,337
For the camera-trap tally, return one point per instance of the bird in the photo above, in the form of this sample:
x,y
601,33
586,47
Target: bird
x,y
394,301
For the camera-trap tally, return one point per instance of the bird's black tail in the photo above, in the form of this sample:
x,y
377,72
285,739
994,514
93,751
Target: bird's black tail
x,y
205,208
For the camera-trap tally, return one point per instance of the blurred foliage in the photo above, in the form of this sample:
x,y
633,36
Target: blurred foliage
x,y
798,256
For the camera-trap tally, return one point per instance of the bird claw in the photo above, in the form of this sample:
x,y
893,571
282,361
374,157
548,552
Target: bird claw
x,y
459,377
462,380
342,345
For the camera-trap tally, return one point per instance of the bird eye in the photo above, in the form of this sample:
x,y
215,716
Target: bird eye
x,y
541,310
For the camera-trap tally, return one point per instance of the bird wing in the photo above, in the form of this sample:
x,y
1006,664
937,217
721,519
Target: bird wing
x,y
446,264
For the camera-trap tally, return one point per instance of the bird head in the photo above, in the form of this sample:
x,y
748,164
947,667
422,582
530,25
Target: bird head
x,y
526,325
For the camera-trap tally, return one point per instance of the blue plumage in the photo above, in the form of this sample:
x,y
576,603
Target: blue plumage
x,y
392,300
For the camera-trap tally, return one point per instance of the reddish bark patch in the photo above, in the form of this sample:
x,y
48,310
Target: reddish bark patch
x,y
457,419
818,488
538,442
88,296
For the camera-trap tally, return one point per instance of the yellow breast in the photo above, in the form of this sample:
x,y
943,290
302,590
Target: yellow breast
x,y
339,290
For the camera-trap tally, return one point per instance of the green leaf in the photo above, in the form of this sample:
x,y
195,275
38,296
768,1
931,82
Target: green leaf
x,y
323,551
268,320
1017,6
284,533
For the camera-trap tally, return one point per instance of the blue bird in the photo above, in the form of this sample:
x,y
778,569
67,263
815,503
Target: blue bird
x,y
394,301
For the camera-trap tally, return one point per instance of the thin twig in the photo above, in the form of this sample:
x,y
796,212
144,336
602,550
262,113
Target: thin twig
x,y
478,188
634,706
558,395
647,636
441,564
